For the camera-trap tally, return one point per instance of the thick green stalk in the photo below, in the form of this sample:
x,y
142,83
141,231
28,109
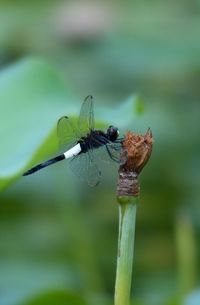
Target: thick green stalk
x,y
127,219
135,152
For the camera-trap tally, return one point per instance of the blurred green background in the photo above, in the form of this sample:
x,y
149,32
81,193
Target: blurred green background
x,y
58,237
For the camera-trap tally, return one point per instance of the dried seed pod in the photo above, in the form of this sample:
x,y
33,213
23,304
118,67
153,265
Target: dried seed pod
x,y
136,151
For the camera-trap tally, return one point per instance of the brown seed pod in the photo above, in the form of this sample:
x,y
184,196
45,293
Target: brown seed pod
x,y
136,151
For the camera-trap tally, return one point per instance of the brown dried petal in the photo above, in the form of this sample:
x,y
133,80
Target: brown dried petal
x,y
137,149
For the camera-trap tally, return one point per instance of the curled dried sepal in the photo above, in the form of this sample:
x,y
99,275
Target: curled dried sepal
x,y
136,151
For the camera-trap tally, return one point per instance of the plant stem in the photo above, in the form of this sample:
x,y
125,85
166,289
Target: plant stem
x,y
135,152
127,219
186,252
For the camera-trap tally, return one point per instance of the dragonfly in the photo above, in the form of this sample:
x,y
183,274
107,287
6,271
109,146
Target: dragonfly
x,y
83,140
79,142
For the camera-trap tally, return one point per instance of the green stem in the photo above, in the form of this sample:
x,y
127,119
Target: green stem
x,y
127,219
186,252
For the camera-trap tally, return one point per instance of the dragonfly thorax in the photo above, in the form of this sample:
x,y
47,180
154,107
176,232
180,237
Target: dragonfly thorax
x,y
95,139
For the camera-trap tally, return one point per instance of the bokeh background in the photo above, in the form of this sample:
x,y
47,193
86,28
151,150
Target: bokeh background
x,y
58,237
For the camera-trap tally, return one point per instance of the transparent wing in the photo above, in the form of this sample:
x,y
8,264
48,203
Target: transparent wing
x,y
108,152
86,117
113,151
86,169
67,132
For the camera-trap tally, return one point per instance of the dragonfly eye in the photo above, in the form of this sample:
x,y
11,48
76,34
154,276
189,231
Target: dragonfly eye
x,y
112,133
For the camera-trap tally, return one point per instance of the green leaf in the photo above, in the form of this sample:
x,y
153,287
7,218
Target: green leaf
x,y
56,297
32,98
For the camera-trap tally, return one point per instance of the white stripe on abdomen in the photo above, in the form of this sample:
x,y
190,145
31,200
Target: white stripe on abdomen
x,y
74,151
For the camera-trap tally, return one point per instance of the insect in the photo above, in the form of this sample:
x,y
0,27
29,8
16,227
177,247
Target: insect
x,y
84,140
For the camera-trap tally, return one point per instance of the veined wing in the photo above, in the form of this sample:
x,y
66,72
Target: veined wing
x,y
86,117
86,169
109,151
67,132
113,151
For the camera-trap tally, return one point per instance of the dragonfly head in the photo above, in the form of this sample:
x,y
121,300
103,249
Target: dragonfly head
x,y
112,133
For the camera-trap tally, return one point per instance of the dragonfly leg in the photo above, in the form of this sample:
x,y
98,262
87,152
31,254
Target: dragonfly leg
x,y
111,156
119,140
